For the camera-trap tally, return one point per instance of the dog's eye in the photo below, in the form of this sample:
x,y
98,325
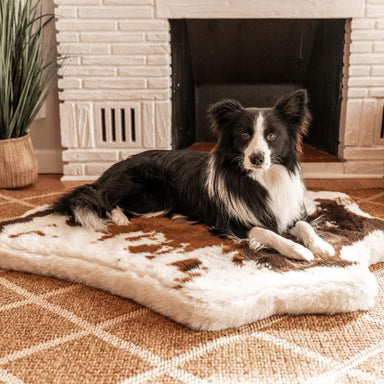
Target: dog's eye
x,y
245,136
271,136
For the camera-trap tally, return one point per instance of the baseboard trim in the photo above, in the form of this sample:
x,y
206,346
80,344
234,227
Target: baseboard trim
x,y
78,178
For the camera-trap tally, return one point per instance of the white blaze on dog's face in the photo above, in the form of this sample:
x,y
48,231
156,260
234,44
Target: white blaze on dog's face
x,y
257,154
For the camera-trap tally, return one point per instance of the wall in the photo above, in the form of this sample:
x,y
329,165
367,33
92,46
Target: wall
x,y
45,130
118,52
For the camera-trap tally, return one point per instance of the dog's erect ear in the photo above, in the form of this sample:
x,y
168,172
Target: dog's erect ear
x,y
293,109
222,113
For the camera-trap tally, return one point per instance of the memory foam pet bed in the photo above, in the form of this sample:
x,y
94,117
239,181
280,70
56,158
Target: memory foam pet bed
x,y
191,276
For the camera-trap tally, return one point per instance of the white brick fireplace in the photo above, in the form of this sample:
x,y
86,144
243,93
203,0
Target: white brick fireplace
x,y
116,81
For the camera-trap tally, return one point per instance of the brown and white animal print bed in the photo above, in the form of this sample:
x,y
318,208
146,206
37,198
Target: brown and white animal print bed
x,y
185,273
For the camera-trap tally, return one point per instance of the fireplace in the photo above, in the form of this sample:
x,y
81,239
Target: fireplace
x,y
256,62
124,90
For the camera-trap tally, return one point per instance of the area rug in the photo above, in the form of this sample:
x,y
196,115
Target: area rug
x,y
187,274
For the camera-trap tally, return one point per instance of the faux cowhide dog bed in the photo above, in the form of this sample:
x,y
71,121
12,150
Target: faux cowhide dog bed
x,y
184,272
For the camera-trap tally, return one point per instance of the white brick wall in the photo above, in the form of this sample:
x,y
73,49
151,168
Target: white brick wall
x,y
119,51
361,143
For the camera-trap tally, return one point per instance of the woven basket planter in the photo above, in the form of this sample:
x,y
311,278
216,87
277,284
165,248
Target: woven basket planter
x,y
18,164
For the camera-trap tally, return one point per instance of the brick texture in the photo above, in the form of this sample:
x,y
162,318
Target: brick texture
x,y
366,86
119,52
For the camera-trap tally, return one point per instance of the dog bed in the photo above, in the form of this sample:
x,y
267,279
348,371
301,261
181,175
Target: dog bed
x,y
185,273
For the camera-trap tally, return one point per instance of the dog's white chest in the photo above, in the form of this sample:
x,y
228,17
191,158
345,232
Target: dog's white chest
x,y
286,193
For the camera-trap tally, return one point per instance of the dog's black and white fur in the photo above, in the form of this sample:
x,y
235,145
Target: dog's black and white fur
x,y
249,187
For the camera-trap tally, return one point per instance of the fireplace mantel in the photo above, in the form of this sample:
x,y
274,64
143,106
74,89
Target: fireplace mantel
x,y
289,9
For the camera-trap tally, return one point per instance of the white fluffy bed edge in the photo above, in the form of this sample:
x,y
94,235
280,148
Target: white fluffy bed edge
x,y
219,300
319,290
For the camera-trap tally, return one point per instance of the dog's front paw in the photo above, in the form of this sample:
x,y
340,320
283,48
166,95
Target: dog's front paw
x,y
301,253
255,245
119,218
320,247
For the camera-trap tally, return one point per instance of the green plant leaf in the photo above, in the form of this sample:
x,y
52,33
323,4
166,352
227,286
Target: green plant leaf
x,y
27,70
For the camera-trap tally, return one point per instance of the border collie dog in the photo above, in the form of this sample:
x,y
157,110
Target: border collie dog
x,y
250,187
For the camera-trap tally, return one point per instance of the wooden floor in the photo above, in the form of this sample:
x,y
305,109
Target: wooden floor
x,y
343,184
314,155
52,182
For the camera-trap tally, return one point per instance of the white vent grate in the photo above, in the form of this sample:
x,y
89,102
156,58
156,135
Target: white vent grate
x,y
118,125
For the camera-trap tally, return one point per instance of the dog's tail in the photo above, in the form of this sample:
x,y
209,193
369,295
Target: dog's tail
x,y
83,206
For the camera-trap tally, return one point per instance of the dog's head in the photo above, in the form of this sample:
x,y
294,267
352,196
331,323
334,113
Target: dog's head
x,y
256,138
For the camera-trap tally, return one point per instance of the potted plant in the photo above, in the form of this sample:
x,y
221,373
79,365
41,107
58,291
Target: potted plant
x,y
27,73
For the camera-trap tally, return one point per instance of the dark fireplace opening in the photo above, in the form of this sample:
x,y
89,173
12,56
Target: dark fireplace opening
x,y
255,61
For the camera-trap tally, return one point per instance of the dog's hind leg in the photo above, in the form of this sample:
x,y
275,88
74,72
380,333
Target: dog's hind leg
x,y
259,237
304,231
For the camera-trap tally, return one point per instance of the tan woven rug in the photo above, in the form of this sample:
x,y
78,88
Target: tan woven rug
x,y
53,331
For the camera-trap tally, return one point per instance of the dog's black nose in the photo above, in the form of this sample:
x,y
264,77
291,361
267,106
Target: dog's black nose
x,y
257,158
